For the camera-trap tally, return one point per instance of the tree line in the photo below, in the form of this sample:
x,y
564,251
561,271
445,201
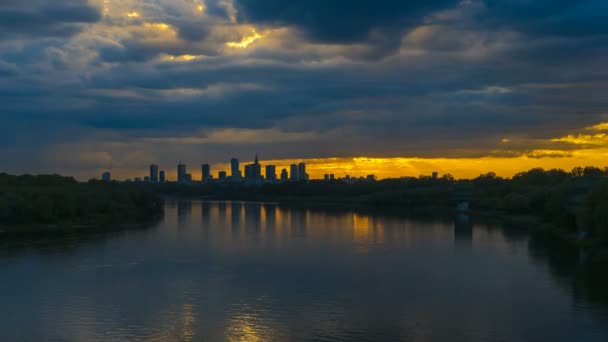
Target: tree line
x,y
53,199
567,200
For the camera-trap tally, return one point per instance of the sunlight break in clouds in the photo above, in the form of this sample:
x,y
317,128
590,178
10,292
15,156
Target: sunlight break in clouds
x,y
403,83
246,41
181,58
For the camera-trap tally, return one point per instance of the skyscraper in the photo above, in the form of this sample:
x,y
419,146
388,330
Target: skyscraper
x,y
106,177
206,172
253,171
293,172
271,173
222,175
181,173
234,169
302,175
284,175
249,171
161,177
257,168
154,173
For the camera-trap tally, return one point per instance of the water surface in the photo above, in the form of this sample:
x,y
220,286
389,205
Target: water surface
x,y
231,271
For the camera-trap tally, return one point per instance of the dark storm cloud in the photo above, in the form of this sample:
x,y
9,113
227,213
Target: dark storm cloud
x,y
415,102
193,30
401,78
45,18
340,21
7,69
377,23
551,17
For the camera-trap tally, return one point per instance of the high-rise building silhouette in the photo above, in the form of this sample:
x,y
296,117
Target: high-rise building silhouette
x,y
154,173
181,173
222,175
106,177
257,168
302,175
253,171
293,172
248,171
206,173
235,173
284,175
271,173
161,177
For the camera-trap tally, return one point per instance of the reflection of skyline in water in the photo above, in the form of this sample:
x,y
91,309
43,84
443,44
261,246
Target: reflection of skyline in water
x,y
257,272
184,210
262,219
463,229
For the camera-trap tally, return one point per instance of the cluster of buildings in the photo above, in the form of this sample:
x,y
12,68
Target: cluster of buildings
x,y
252,174
348,179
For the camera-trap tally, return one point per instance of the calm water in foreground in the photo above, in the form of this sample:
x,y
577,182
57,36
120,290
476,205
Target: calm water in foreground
x,y
257,272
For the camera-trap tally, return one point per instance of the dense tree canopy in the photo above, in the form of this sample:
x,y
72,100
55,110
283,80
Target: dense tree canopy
x,y
53,199
552,195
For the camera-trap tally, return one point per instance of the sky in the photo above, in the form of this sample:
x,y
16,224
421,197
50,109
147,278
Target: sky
x,y
389,87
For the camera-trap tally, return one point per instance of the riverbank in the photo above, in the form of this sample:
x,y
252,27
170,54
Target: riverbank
x,y
525,223
54,229
47,204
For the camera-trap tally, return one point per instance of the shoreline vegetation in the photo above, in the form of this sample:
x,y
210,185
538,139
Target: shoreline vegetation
x,y
48,204
570,205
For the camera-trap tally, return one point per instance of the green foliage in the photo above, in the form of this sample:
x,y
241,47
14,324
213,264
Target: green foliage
x,y
26,200
552,195
594,212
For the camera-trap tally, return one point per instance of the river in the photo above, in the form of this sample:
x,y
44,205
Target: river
x,y
232,271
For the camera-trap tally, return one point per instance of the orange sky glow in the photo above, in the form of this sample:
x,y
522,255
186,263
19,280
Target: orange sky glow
x,y
586,147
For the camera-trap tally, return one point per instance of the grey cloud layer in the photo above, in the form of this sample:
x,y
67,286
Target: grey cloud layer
x,y
341,21
37,18
380,78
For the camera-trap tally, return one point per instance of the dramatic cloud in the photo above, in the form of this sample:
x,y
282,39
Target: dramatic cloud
x,y
341,21
44,18
119,84
551,17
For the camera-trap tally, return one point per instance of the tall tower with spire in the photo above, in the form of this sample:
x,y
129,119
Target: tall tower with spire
x,y
253,172
257,168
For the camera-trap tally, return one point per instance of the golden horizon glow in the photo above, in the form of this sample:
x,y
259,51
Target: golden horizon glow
x,y
398,167
566,153
181,58
133,15
157,26
600,139
246,41
599,127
